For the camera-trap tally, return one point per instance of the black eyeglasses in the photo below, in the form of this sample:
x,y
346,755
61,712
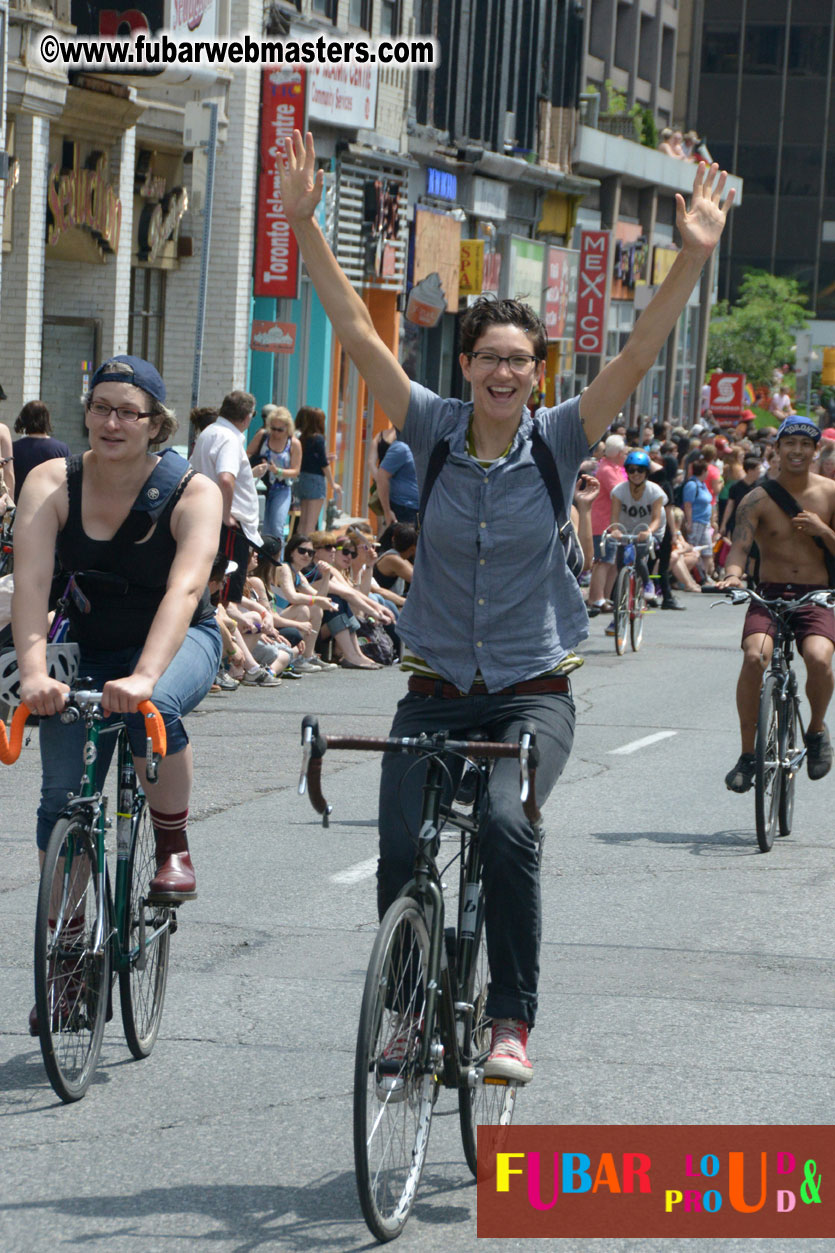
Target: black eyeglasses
x,y
519,362
100,410
349,552
307,552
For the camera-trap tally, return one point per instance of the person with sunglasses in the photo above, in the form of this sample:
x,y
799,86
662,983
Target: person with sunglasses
x,y
490,555
638,510
140,531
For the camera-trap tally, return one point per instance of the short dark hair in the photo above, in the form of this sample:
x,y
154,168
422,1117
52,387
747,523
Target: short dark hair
x,y
751,461
33,419
237,405
698,467
203,417
310,421
488,312
295,541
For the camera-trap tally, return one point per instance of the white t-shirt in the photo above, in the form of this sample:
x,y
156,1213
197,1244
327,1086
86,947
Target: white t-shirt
x,y
635,515
221,449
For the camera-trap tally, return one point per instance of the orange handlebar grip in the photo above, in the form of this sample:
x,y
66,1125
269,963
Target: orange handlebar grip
x,y
10,748
156,727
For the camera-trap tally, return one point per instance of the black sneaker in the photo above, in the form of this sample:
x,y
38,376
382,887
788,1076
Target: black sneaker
x,y
818,753
671,603
741,778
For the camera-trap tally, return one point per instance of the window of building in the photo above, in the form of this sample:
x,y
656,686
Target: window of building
x,y
359,14
720,50
389,17
764,47
808,50
599,30
668,57
646,48
147,314
325,8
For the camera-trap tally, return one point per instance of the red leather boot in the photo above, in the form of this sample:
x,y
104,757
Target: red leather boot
x,y
174,880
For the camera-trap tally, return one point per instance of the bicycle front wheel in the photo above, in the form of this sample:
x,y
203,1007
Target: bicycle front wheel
x,y
480,1103
768,772
788,751
393,1099
72,977
142,984
636,614
620,600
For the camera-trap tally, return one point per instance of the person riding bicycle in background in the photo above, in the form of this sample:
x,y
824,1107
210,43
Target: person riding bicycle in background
x,y
794,555
493,611
638,510
141,613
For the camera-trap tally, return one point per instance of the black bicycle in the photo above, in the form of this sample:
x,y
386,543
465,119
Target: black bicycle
x,y
423,1023
780,746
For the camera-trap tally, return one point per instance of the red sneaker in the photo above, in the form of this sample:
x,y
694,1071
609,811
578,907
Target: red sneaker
x,y
509,1052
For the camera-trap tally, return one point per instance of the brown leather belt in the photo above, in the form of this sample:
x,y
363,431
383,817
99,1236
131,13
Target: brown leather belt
x,y
528,687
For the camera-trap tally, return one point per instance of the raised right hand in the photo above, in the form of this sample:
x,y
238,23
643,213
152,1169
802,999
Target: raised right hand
x,y
301,183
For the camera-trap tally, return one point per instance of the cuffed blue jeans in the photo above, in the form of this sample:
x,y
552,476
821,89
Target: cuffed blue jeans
x,y
509,847
179,689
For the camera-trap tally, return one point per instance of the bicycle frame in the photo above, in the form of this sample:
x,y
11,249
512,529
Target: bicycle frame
x,y
785,679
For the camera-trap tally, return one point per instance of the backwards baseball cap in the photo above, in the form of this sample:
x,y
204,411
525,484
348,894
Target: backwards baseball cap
x,y
795,424
133,370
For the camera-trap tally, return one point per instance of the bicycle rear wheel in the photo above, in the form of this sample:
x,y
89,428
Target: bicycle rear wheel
x,y
788,750
72,979
636,614
393,1100
142,985
620,600
768,772
479,1103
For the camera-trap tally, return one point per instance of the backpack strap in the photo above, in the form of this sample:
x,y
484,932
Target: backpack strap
x,y
789,505
437,460
160,492
547,467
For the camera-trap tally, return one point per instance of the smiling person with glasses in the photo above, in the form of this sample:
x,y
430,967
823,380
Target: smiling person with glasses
x,y
151,525
490,556
276,446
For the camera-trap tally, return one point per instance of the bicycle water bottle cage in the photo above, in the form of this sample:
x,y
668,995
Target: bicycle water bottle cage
x,y
629,554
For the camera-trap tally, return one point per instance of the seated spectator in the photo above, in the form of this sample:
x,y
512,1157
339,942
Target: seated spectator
x,y
237,665
394,567
683,557
339,621
288,598
695,148
35,444
670,143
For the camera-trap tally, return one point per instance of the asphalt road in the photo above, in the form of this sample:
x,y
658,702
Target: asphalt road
x,y
686,977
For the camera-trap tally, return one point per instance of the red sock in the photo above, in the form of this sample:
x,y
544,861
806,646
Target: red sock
x,y
170,829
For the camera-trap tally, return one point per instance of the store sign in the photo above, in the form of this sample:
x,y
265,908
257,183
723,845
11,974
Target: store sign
x,y
109,19
629,261
561,293
186,16
662,263
590,331
341,95
276,251
273,336
159,223
526,272
82,197
472,267
727,393
441,184
437,250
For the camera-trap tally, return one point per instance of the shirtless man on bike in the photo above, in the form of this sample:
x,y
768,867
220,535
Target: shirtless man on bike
x,y
793,561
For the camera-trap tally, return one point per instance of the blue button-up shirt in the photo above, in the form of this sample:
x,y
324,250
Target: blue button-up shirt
x,y
491,591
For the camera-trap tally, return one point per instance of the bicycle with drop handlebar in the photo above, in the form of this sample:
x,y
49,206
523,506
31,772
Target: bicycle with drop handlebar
x,y
423,1023
86,933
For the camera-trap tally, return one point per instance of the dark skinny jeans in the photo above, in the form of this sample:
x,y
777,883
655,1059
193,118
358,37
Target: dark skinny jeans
x,y
508,841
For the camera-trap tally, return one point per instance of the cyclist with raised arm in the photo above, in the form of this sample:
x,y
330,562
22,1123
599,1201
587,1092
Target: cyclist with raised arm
x,y
140,531
493,611
794,529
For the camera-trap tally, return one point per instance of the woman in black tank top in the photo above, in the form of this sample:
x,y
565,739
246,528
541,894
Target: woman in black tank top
x,y
140,531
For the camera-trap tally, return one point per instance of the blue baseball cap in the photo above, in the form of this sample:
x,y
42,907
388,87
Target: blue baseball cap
x,y
132,370
796,424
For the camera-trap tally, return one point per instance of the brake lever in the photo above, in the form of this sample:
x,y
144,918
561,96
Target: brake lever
x,y
524,757
307,753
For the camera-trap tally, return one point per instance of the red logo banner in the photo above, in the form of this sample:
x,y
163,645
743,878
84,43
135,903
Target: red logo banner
x,y
656,1182
276,252
590,331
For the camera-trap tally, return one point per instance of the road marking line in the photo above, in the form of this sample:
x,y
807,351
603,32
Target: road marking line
x,y
362,870
636,744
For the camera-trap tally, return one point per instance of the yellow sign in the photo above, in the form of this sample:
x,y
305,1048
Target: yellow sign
x,y
472,267
662,263
828,372
83,197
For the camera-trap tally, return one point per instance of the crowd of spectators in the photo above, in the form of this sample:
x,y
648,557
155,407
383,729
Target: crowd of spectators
x,y
683,146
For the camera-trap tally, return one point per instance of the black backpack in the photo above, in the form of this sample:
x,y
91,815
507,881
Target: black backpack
x,y
547,467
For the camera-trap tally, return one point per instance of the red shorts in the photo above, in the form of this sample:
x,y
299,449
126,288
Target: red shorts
x,y
810,620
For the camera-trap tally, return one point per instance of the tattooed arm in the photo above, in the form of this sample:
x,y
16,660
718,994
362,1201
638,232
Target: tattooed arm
x,y
745,526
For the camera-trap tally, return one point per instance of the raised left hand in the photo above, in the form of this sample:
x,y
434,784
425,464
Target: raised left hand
x,y
702,224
